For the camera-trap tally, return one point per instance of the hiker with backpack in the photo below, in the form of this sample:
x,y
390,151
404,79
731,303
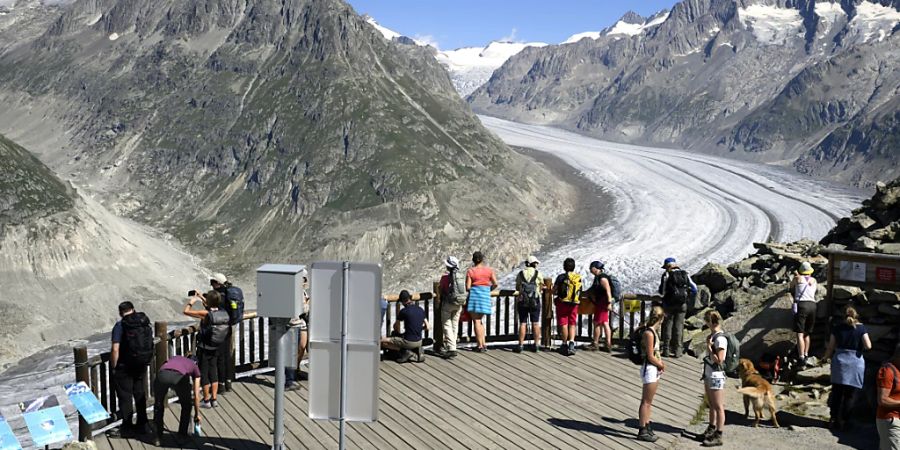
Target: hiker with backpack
x,y
528,303
721,357
453,299
604,291
676,288
480,281
887,416
803,287
568,296
130,356
849,339
211,343
232,301
652,368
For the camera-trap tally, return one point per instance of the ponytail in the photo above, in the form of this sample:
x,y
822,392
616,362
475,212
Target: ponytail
x,y
852,317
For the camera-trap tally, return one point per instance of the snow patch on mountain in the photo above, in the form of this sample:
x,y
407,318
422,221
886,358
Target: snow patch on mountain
x,y
772,25
388,33
579,36
872,21
472,66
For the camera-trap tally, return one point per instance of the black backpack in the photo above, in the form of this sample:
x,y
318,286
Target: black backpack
x,y
214,329
530,297
234,304
634,348
136,347
678,288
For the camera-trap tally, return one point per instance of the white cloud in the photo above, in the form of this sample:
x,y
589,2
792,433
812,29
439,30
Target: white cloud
x,y
427,40
511,37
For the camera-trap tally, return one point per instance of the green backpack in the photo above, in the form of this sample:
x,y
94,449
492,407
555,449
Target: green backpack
x,y
732,353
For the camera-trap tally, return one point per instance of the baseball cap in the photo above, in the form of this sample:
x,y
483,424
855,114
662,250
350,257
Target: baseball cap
x,y
451,262
219,278
405,296
597,265
668,261
532,260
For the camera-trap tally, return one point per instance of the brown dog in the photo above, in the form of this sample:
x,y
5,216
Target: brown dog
x,y
757,390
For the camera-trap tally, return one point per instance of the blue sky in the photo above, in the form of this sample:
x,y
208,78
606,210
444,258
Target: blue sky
x,y
474,23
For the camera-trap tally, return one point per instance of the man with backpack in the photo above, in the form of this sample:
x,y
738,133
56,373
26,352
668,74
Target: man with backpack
x,y
130,355
453,299
568,296
605,290
528,303
887,416
676,288
232,302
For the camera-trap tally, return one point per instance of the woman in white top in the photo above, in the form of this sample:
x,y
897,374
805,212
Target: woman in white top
x,y
651,370
803,288
714,379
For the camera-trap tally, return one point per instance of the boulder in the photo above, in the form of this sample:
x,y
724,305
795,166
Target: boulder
x,y
699,301
888,248
877,332
885,234
889,309
696,322
887,197
821,374
743,268
835,246
863,221
864,244
845,292
714,276
880,296
763,262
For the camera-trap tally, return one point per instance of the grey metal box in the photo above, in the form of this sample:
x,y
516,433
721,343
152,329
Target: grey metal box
x,y
279,290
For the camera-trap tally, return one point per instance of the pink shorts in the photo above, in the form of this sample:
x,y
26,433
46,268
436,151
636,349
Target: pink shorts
x,y
601,317
566,313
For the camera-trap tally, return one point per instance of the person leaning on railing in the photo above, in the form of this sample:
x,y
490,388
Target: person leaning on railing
x,y
480,281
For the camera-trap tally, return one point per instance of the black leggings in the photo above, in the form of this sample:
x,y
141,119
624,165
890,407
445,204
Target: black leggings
x,y
841,401
208,360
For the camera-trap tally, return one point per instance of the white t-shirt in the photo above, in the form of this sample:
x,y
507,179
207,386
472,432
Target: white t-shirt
x,y
721,343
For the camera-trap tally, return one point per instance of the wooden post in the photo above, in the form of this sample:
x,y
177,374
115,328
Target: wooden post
x,y
830,285
229,359
438,325
161,329
82,373
547,325
622,318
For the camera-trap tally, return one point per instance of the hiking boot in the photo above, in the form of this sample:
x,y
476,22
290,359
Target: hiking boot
x,y
536,348
710,430
157,441
571,347
608,349
450,355
205,404
715,440
480,349
592,347
405,357
518,349
563,350
645,435
666,354
292,387
213,403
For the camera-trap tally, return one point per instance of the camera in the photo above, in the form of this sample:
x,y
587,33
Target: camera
x,y
192,293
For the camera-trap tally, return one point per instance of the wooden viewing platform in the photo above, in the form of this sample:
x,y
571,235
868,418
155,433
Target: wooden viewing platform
x,y
499,399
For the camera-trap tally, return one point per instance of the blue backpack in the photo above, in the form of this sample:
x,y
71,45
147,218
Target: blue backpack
x,y
234,304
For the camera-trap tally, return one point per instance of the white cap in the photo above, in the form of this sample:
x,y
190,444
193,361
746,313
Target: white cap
x,y
219,278
532,260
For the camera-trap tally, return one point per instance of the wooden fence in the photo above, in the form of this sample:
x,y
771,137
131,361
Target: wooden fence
x,y
248,345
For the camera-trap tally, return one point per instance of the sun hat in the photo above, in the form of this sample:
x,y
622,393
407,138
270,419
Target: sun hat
x,y
218,278
532,260
806,268
451,262
669,261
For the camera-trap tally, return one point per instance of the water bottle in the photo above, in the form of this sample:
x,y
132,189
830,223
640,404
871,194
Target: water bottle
x,y
197,431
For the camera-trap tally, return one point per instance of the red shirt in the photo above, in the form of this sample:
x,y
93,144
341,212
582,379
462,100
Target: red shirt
x,y
481,275
885,380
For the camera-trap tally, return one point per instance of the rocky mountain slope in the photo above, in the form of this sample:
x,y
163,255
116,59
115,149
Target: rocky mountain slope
x,y
812,84
254,131
66,262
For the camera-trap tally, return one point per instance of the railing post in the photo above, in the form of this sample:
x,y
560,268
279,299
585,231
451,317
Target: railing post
x,y
82,373
622,318
438,325
229,359
161,329
547,319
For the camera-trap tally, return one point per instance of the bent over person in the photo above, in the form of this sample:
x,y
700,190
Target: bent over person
x,y
179,374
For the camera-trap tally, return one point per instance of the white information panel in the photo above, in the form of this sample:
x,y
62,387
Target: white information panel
x,y
363,341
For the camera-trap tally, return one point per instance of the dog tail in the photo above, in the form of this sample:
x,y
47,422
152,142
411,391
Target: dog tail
x,y
754,392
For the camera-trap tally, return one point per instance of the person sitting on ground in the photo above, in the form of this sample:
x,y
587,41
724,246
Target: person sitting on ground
x,y
803,287
453,299
675,287
887,416
211,341
129,358
480,281
414,322
178,374
568,296
651,371
714,379
849,339
528,304
601,294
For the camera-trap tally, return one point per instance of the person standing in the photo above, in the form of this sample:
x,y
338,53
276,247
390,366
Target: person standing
x,y
803,287
601,292
453,299
178,374
528,303
568,296
849,339
211,343
887,416
130,355
675,287
651,371
232,301
714,379
480,281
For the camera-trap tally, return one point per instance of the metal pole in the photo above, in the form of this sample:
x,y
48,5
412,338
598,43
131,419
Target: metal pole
x,y
277,332
345,292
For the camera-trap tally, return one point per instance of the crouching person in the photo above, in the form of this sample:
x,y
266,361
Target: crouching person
x,y
181,375
414,322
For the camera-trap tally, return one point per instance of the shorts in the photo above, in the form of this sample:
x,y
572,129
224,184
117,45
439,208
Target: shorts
x,y
601,316
715,381
566,313
805,319
404,344
649,373
529,316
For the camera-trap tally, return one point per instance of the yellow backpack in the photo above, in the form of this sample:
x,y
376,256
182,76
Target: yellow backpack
x,y
569,291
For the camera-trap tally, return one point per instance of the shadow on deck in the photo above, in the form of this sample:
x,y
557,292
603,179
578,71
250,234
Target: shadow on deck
x,y
494,400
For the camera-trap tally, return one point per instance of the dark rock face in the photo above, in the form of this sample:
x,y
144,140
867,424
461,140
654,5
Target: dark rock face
x,y
28,190
813,87
270,130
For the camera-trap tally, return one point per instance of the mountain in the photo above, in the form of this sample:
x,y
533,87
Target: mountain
x,y
630,24
808,84
471,67
66,262
256,132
